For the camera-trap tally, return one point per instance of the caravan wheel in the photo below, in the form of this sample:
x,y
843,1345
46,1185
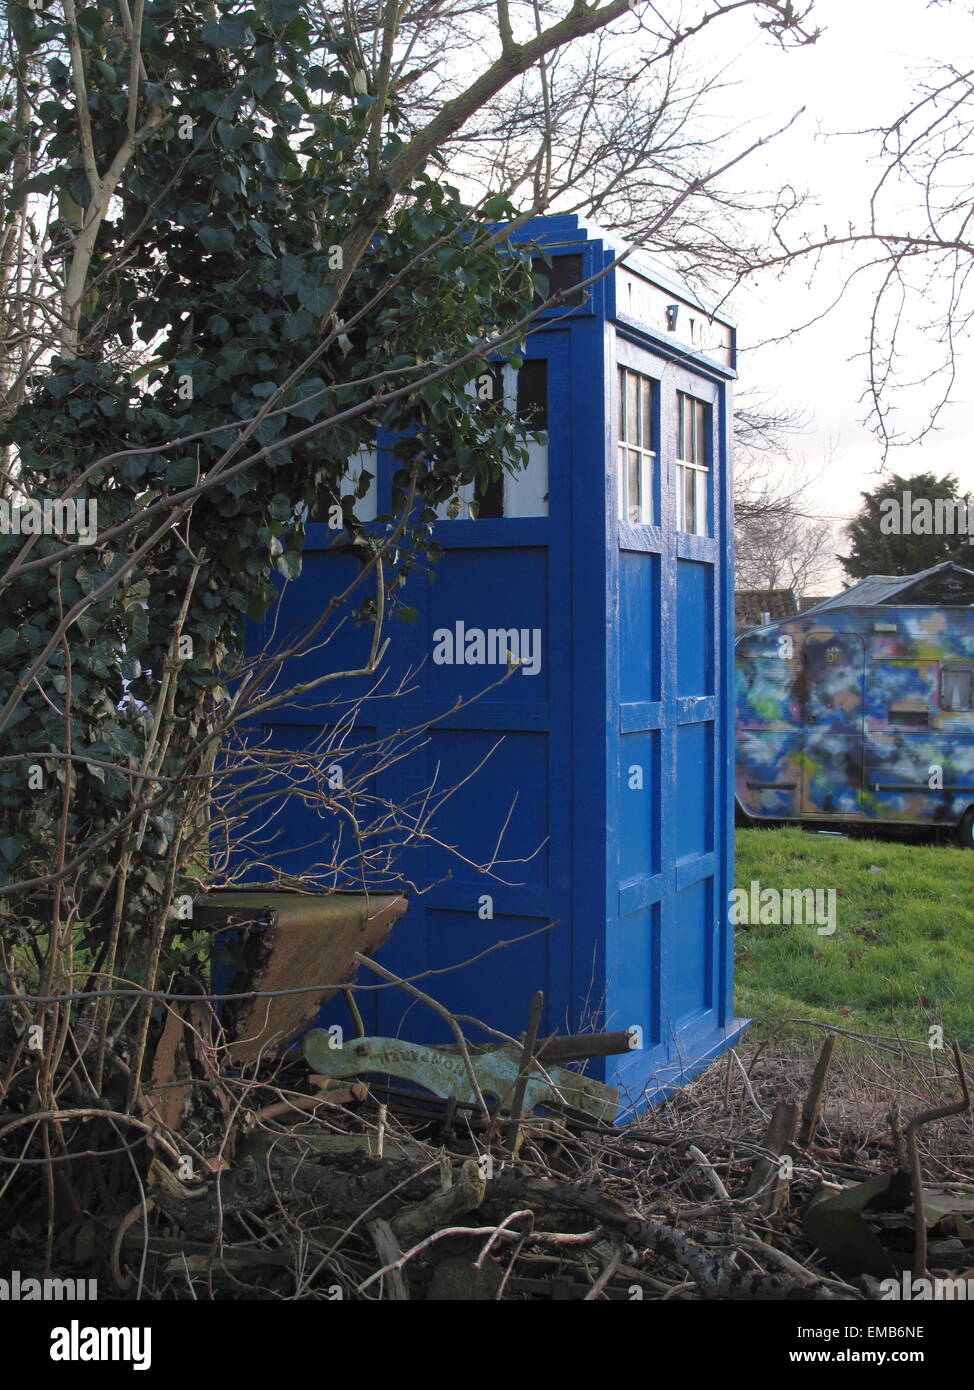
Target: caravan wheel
x,y
965,829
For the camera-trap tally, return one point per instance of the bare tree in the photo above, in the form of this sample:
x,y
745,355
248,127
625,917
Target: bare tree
x,y
780,543
911,242
782,550
611,124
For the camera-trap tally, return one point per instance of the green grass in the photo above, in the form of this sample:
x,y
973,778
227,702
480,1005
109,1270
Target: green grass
x,y
902,956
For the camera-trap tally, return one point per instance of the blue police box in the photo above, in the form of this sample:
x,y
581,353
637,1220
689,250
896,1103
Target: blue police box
x,y
596,780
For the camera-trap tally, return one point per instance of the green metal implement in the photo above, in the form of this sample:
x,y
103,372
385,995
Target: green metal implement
x,y
443,1072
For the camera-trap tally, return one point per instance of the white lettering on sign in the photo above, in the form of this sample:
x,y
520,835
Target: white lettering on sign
x,y
662,311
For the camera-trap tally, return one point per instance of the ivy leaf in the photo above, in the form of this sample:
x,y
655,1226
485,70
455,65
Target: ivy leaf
x,y
292,269
316,296
227,183
182,472
10,848
298,325
107,71
281,12
230,31
216,238
306,408
289,564
58,387
262,81
496,207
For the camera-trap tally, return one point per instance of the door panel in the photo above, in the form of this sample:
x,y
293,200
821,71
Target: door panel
x,y
833,668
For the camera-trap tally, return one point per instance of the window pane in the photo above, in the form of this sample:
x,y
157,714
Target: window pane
x,y
957,689
562,275
622,402
646,489
489,496
489,385
632,408
532,393
647,423
633,485
488,493
701,528
691,429
689,506
623,499
700,435
912,718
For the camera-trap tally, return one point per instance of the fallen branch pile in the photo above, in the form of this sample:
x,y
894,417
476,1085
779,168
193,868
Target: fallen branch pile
x,y
381,1194
747,1184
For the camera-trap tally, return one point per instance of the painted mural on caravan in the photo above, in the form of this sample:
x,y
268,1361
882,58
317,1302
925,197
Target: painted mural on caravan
x,y
862,708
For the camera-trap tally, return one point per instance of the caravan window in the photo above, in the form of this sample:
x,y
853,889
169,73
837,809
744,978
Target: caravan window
x,y
909,716
957,687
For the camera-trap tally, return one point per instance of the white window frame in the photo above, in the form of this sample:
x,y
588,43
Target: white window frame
x,y
364,460
636,511
951,669
365,508
694,470
526,491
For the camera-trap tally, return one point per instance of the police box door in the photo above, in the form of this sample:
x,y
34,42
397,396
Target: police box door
x,y
833,669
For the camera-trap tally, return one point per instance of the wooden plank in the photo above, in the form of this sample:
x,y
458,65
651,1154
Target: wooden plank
x,y
310,940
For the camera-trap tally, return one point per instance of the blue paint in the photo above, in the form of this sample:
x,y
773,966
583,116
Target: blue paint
x,y
636,672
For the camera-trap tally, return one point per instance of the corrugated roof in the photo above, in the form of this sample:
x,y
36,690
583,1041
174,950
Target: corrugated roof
x,y
884,588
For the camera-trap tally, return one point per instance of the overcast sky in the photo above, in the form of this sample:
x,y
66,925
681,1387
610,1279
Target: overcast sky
x,y
860,73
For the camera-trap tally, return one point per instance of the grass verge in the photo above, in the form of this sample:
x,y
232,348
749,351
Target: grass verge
x,y
902,955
